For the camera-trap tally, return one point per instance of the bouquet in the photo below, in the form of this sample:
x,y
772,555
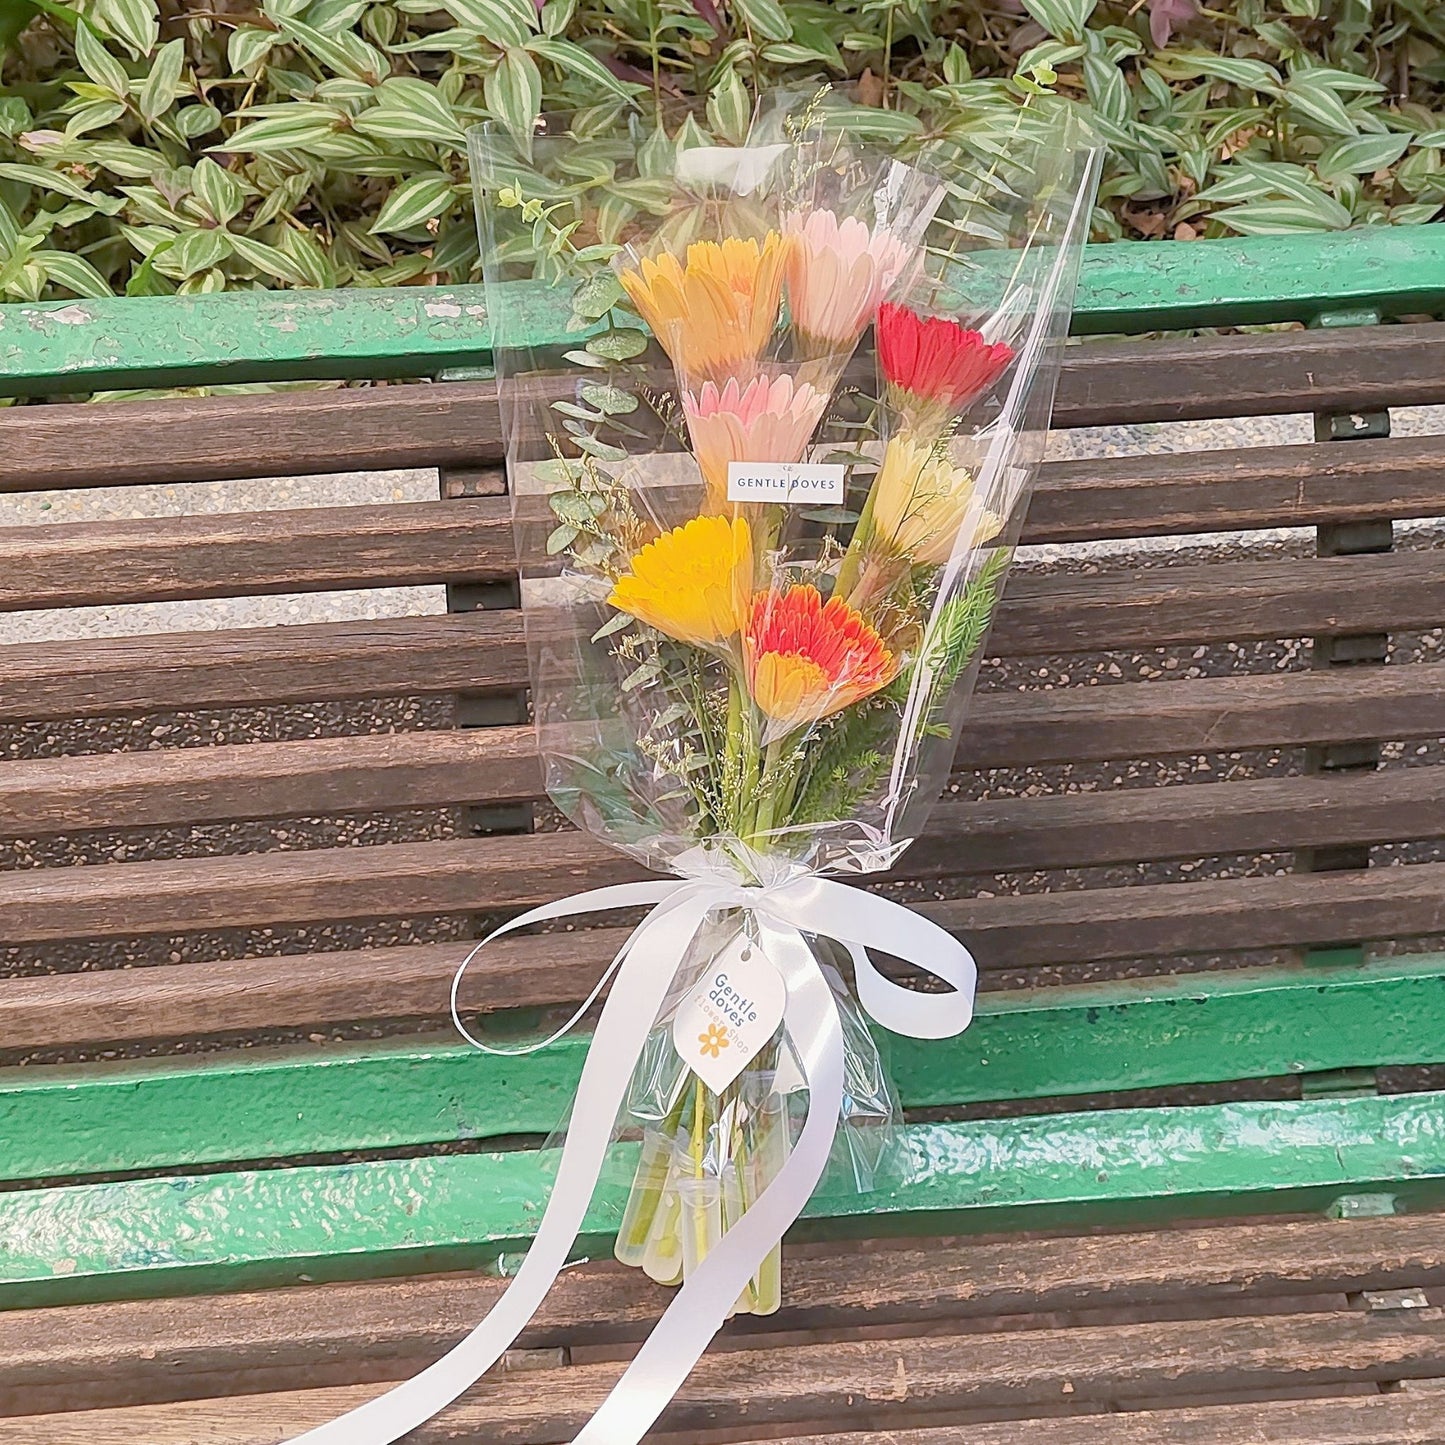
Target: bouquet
x,y
764,504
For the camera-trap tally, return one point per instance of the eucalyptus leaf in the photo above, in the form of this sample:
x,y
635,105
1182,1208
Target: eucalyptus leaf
x,y
596,296
621,345
609,399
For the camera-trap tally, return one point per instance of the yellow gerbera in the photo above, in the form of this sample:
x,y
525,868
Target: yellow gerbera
x,y
694,583
921,503
714,309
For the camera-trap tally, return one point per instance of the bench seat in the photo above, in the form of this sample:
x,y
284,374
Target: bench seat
x,y
1182,1181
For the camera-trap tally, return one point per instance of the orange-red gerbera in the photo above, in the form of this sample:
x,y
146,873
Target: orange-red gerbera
x,y
807,659
713,309
935,363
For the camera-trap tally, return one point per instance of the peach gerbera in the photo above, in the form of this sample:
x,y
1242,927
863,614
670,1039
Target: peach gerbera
x,y
713,311
693,583
923,505
807,659
764,421
838,272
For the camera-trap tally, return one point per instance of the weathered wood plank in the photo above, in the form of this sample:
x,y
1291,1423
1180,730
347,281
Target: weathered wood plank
x,y
283,434
855,1379
1234,601
311,549
1126,825
300,991
311,662
223,1108
467,877
272,780
1211,916
1289,486
307,549
1223,714
1335,1420
134,1238
1065,613
488,874
1322,370
456,424
132,1352
268,780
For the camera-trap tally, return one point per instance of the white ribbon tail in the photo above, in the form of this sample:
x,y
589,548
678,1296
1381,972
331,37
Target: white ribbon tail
x,y
637,996
697,1313
863,921
646,965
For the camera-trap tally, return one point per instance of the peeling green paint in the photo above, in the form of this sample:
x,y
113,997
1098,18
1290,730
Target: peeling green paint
x,y
254,336
226,1231
221,1109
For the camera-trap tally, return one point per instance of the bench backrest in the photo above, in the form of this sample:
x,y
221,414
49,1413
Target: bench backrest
x,y
411,728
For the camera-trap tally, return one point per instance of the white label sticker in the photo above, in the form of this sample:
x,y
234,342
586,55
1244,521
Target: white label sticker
x,y
794,482
724,1022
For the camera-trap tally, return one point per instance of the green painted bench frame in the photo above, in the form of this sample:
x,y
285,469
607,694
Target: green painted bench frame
x,y
151,1184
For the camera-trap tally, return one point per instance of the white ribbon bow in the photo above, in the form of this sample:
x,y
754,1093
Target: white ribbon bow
x,y
645,965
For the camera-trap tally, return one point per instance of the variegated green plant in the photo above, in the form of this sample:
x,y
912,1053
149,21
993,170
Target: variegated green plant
x,y
151,146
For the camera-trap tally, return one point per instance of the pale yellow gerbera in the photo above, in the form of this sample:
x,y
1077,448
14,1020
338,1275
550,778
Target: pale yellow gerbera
x,y
922,504
716,308
694,583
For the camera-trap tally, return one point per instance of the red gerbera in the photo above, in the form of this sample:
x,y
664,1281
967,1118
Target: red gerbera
x,y
808,659
937,360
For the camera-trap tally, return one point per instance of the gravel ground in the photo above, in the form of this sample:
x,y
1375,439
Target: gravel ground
x,y
229,726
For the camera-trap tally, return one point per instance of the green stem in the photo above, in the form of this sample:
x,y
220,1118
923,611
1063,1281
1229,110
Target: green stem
x,y
848,569
768,799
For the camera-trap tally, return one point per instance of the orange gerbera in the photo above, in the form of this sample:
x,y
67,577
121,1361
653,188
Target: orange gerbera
x,y
713,311
808,659
692,583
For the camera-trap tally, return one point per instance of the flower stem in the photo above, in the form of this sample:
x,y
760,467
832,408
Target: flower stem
x,y
848,569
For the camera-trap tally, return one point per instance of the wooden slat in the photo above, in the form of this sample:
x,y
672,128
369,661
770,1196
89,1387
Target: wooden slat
x,y
461,877
313,662
131,1352
1224,714
268,780
1125,825
1390,1419
273,780
853,1380
309,549
1061,831
456,424
1393,1419
1234,601
1289,486
283,434
313,549
1321,370
1212,916
1040,615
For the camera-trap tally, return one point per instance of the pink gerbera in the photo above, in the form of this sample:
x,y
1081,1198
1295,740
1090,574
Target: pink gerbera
x,y
764,421
838,271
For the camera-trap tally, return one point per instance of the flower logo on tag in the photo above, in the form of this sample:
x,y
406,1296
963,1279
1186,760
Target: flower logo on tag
x,y
735,1009
714,1041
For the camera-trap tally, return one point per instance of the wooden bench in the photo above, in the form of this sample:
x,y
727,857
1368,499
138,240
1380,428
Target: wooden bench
x,y
202,1240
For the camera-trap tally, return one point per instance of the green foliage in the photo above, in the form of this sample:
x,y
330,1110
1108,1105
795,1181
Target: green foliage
x,y
152,146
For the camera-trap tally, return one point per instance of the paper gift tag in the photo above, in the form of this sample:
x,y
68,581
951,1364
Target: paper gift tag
x,y
724,1022
790,482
